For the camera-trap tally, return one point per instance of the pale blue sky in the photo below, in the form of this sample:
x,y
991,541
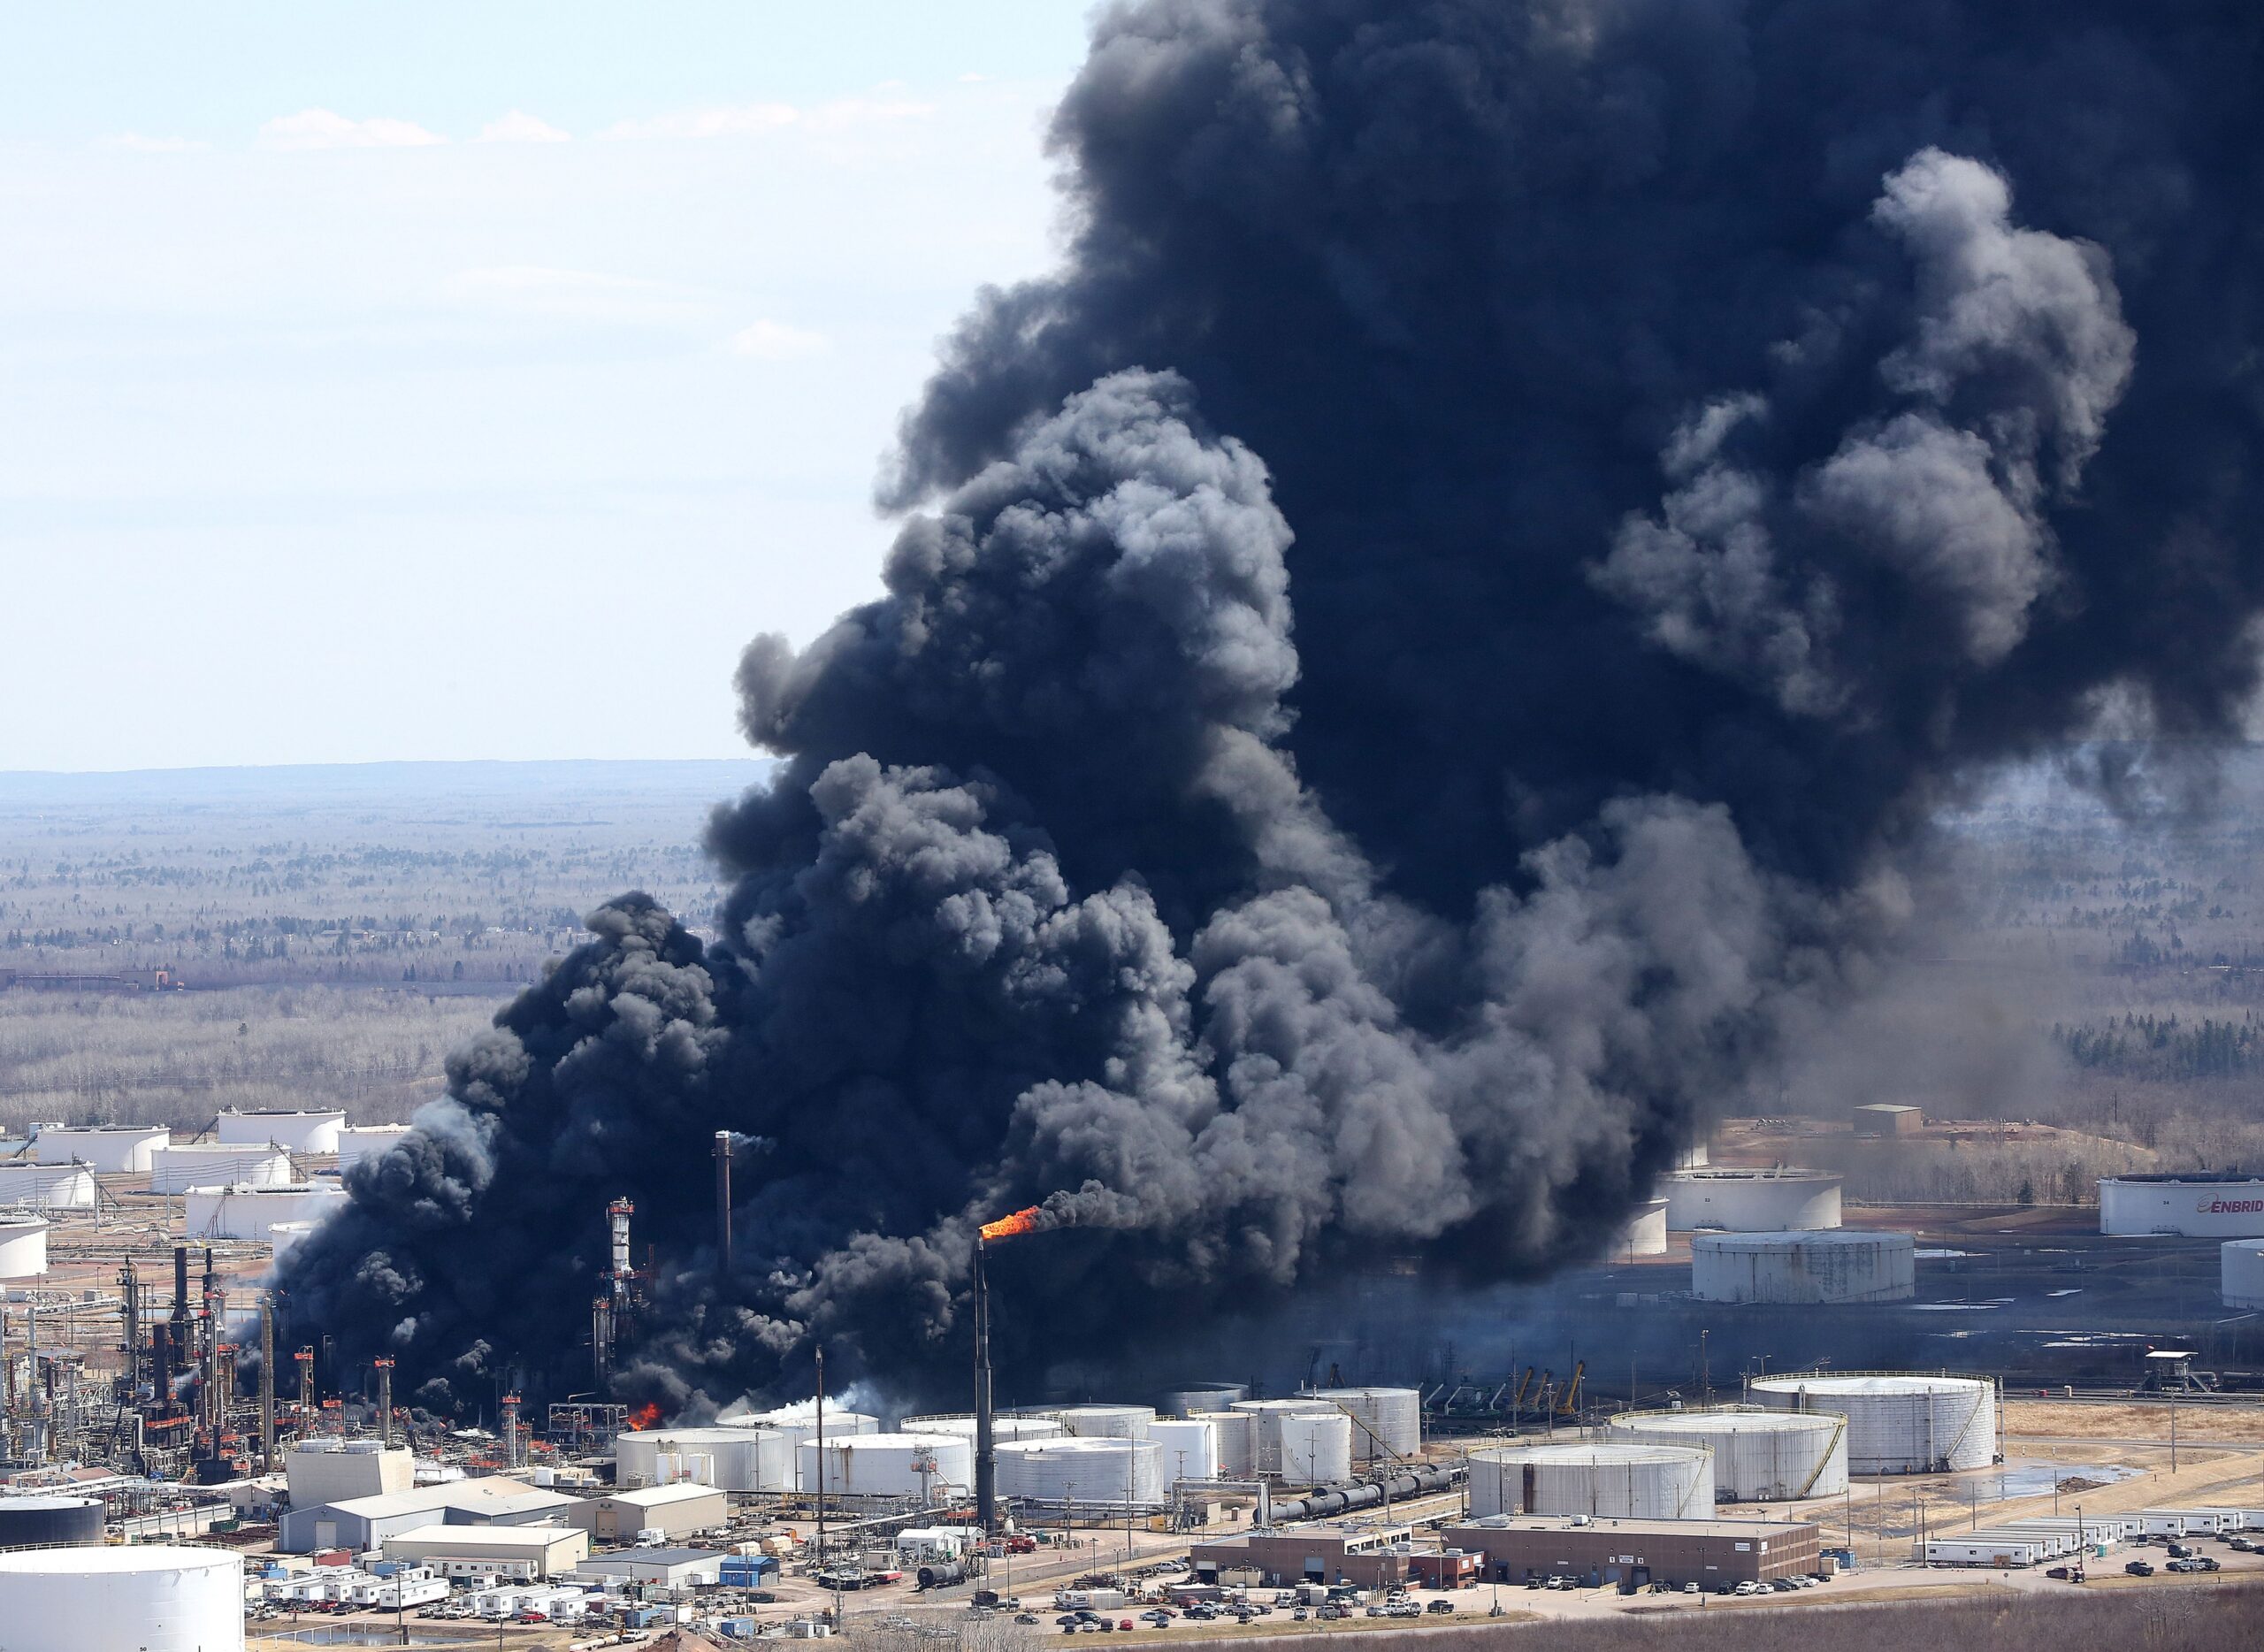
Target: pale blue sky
x,y
471,380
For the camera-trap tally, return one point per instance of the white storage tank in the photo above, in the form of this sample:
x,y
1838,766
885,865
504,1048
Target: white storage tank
x,y
1833,1266
251,1212
1004,1426
2228,1205
157,1598
357,1142
729,1459
927,1466
1642,1234
206,1164
47,1187
23,1247
294,1132
1189,1447
1303,1441
798,1422
1105,1422
1897,1423
1622,1480
1752,1201
282,1235
1387,1422
1085,1470
104,1149
1236,1432
1196,1398
2240,1271
1759,1455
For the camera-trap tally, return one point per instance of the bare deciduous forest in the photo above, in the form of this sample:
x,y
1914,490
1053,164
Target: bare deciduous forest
x,y
325,936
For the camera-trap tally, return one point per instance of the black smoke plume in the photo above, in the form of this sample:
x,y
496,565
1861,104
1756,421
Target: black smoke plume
x,y
1406,660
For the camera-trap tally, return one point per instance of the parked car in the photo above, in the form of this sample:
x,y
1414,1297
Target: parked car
x,y
2061,1572
1691,1588
2139,1569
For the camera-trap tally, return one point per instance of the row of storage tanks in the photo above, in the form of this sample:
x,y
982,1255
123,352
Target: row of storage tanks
x,y
1078,1453
62,1589
1799,1438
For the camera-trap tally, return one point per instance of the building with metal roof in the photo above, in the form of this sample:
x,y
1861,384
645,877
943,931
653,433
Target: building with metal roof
x,y
364,1523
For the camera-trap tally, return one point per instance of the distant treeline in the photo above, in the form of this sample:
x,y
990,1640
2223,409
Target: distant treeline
x,y
2164,1047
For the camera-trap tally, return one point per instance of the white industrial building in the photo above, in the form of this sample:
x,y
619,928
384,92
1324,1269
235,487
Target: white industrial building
x,y
313,1133
1752,1201
46,1188
2005,1550
155,1598
1898,1423
1835,1266
1302,1441
361,1524
1387,1422
670,1568
925,1466
1633,1480
23,1247
105,1148
1084,1470
2200,1205
1759,1455
357,1142
543,1551
176,1169
253,1213
673,1511
2240,1272
1643,1233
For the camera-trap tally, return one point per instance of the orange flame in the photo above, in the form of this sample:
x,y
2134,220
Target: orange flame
x,y
646,1416
1010,1226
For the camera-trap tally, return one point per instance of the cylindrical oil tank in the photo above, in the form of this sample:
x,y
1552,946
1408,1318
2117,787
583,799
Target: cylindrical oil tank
x,y
282,1235
203,1165
729,1459
1198,1397
1642,1234
1387,1422
1190,1446
246,1213
27,1521
1236,1432
1833,1266
1004,1426
47,1187
891,1465
799,1420
1897,1423
294,1132
105,1148
2224,1205
2240,1272
156,1599
1752,1201
1619,1480
357,1142
1087,1470
1303,1441
1759,1455
1105,1422
23,1247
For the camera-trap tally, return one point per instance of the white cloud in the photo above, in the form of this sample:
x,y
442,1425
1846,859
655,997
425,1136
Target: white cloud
x,y
738,121
579,296
322,129
139,144
519,126
770,340
743,120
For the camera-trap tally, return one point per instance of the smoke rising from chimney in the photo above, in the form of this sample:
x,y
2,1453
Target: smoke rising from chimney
x,y
1410,661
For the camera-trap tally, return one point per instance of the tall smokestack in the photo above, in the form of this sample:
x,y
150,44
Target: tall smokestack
x,y
267,1383
180,1287
986,1454
724,1204
306,1359
129,1286
383,1364
510,1431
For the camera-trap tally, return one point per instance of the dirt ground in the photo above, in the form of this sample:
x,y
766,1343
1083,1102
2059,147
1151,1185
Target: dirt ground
x,y
2232,1425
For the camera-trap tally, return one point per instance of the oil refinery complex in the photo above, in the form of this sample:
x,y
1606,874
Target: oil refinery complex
x,y
1760,1385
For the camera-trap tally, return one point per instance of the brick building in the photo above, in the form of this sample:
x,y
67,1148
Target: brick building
x,y
1634,1553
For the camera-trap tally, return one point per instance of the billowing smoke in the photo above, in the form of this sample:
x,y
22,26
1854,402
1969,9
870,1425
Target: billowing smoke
x,y
1409,664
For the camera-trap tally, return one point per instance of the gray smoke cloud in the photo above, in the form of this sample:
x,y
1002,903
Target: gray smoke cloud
x,y
1412,664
